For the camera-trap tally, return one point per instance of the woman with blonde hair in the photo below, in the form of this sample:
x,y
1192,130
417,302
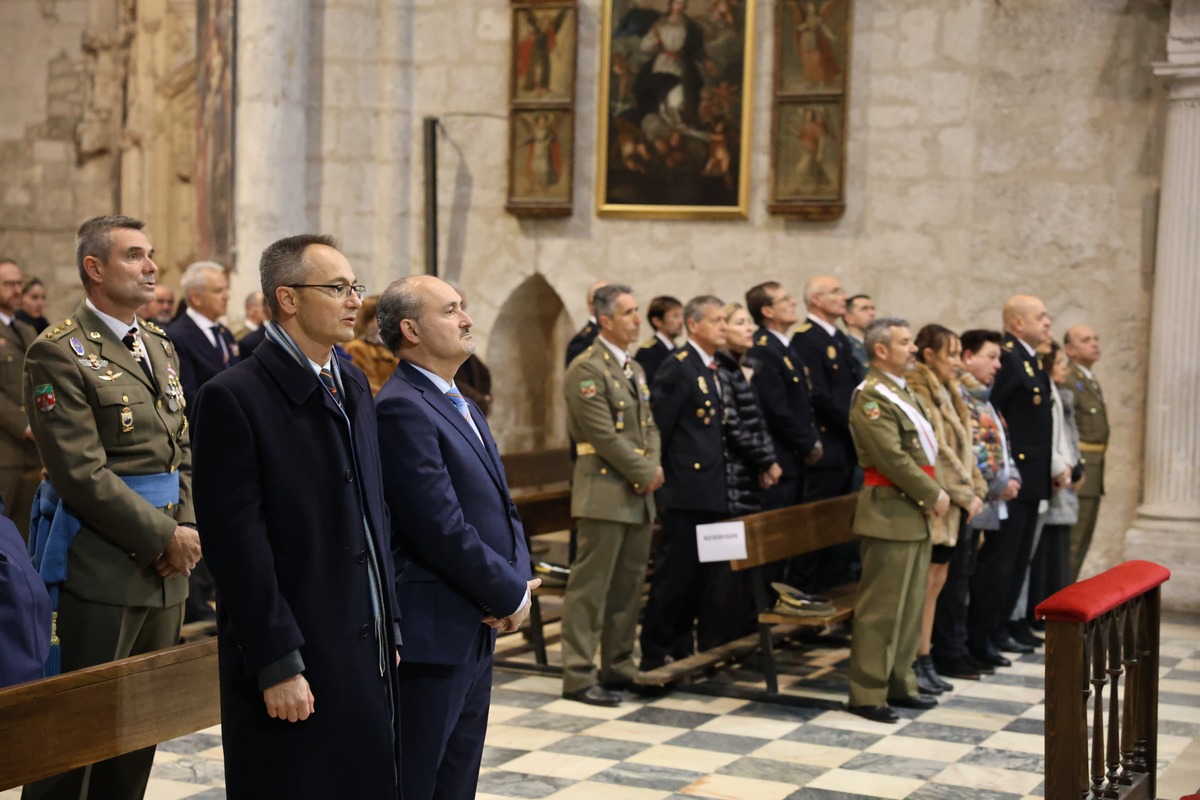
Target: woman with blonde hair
x,y
935,379
367,350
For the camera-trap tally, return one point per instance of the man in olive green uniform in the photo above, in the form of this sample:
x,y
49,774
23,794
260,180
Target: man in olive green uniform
x,y
1091,420
612,496
20,469
108,419
897,448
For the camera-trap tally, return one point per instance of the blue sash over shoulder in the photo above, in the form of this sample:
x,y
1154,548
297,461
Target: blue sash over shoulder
x,y
53,527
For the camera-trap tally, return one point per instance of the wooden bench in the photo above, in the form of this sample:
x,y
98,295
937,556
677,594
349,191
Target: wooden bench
x,y
771,537
81,717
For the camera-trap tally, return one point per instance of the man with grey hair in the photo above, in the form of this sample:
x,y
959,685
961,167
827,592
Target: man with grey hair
x,y
254,316
897,448
688,409
612,498
462,566
205,348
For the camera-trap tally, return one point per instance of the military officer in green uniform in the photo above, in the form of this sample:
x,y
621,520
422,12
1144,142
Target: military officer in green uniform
x,y
20,468
106,410
1091,420
897,449
612,497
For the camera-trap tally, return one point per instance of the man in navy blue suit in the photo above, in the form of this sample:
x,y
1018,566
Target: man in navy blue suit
x,y
462,567
206,349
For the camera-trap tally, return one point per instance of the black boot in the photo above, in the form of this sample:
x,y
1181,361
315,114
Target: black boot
x,y
924,684
931,673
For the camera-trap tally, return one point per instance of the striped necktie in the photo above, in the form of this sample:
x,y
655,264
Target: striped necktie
x,y
461,404
331,385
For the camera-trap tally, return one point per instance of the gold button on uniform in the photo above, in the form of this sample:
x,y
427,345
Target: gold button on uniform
x,y
697,465
1021,456
603,471
124,398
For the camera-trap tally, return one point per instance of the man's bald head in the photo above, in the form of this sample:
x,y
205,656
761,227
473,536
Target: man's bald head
x,y
1026,318
825,297
1082,345
591,295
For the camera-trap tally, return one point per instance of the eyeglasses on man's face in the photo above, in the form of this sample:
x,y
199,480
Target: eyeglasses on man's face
x,y
340,290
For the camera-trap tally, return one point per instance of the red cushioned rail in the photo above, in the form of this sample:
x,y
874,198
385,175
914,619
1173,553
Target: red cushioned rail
x,y
1086,600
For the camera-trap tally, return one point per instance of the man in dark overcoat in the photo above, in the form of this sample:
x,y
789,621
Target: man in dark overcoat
x,y
290,497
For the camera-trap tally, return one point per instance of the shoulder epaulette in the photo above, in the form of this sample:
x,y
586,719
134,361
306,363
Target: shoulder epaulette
x,y
649,343
61,328
153,328
1008,346
762,340
805,328
681,355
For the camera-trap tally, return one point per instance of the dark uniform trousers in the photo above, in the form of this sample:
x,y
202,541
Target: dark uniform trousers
x,y
950,620
996,587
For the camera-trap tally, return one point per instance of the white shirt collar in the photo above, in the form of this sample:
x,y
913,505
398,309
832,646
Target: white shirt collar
x,y
318,367
896,379
1086,372
438,381
1028,349
705,357
204,322
780,336
827,327
5,318
250,326
118,327
665,339
620,355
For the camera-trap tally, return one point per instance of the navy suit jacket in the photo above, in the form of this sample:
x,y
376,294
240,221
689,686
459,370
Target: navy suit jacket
x,y
834,372
458,542
651,356
688,412
199,361
24,611
1021,393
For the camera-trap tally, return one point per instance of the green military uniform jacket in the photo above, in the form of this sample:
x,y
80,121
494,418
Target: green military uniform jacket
x,y
96,416
1091,420
15,451
616,440
887,440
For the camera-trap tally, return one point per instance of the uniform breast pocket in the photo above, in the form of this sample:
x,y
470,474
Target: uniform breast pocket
x,y
910,440
122,412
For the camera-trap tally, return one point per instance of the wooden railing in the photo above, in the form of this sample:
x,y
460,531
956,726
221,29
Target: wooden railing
x,y
1102,635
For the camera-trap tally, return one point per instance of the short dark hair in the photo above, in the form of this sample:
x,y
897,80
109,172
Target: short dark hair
x,y
283,263
758,298
933,336
604,301
30,284
850,300
659,307
94,238
974,339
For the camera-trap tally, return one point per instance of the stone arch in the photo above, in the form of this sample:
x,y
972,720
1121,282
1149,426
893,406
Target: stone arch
x,y
525,354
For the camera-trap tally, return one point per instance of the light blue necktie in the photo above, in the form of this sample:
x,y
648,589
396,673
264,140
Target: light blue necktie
x,y
461,404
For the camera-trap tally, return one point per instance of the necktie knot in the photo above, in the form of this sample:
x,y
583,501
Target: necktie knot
x,y
459,401
331,385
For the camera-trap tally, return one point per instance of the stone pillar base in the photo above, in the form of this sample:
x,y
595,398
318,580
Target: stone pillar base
x,y
1171,539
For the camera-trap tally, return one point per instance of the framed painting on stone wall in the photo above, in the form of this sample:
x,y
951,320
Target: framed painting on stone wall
x,y
808,120
541,118
676,89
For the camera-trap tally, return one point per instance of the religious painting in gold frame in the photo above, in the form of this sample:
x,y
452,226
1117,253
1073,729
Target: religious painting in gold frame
x,y
808,120
675,109
541,118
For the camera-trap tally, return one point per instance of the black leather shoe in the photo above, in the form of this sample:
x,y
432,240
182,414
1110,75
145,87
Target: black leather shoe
x,y
875,713
958,668
976,665
594,695
921,702
1021,633
1010,645
931,675
924,683
992,659
633,687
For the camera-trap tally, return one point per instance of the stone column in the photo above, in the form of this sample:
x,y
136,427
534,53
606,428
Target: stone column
x,y
271,178
1167,528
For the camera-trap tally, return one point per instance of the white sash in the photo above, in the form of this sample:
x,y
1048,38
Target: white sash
x,y
924,430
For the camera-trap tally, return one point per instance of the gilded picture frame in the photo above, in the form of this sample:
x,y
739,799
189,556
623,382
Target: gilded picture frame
x,y
541,119
809,104
675,109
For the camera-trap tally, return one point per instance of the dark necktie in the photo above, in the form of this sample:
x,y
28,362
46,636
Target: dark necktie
x,y
331,385
17,333
218,334
134,344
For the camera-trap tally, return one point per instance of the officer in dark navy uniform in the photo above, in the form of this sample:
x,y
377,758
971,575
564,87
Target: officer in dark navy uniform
x,y
783,391
1021,393
666,318
24,611
687,407
587,334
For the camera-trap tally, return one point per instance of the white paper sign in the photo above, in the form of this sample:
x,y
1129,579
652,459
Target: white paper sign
x,y
721,541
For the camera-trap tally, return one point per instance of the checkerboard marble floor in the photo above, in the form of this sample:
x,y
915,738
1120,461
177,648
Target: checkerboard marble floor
x,y
984,741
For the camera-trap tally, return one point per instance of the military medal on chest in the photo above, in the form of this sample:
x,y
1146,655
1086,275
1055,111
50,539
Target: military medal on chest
x,y
174,390
126,420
